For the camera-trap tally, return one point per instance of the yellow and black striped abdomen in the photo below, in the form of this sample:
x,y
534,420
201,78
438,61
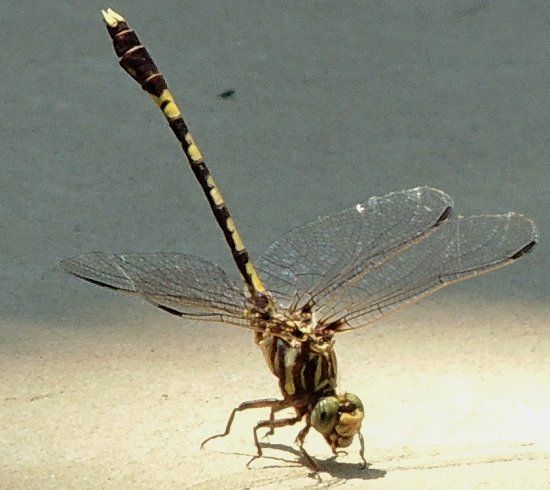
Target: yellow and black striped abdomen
x,y
301,371
137,62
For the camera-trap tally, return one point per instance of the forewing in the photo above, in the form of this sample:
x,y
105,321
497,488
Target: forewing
x,y
311,261
181,284
460,248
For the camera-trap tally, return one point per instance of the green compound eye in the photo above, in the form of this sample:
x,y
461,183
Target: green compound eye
x,y
354,400
325,414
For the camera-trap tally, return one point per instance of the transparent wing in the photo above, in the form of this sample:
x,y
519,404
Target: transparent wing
x,y
181,284
314,261
460,248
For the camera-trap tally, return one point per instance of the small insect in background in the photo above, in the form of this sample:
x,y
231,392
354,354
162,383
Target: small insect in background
x,y
227,94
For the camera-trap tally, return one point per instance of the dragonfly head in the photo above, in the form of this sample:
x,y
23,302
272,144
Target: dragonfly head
x,y
338,418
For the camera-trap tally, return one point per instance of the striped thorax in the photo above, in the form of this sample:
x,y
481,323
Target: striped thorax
x,y
305,365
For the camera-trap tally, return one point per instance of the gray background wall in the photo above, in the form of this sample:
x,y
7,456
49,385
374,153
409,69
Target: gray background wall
x,y
334,102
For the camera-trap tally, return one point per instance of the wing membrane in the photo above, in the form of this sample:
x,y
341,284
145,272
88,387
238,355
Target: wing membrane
x,y
460,248
181,284
318,260
354,267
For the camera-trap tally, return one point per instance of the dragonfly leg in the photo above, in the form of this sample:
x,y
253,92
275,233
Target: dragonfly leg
x,y
271,430
337,452
272,424
362,451
300,438
272,403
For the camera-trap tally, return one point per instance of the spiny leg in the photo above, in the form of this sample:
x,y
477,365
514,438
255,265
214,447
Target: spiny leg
x,y
273,403
272,424
300,441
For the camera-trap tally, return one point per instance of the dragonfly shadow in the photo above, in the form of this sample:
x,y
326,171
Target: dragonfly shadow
x,y
336,469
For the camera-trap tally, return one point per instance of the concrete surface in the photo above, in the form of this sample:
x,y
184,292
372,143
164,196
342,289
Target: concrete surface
x,y
333,102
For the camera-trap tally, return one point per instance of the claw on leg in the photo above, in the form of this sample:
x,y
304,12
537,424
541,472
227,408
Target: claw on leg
x,y
256,456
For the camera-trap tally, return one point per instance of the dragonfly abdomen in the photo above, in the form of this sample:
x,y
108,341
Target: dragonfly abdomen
x,y
137,62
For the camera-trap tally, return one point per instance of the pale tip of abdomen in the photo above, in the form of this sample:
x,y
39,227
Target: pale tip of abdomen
x,y
111,18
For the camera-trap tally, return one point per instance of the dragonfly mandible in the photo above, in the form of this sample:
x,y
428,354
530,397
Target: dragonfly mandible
x,y
337,273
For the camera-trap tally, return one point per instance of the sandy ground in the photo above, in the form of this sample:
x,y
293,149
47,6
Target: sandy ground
x,y
453,399
334,102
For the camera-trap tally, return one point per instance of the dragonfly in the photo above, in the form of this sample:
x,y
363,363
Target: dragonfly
x,y
336,273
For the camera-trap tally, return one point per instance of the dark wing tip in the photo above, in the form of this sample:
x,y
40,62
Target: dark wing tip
x,y
533,236
99,283
73,265
172,311
525,250
446,213
66,266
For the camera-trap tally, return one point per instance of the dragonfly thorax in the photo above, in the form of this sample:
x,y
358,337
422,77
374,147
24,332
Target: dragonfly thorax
x,y
295,326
